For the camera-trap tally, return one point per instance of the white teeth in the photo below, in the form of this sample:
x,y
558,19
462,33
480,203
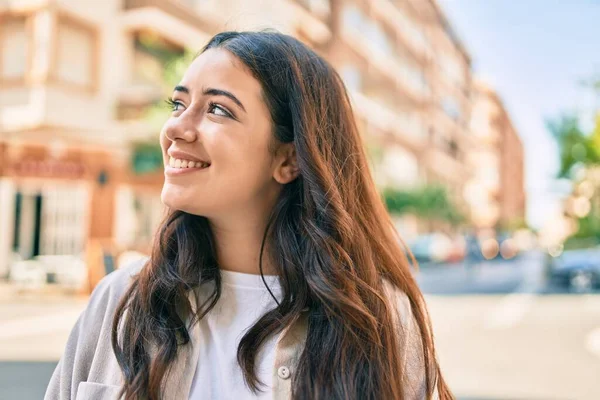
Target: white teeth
x,y
177,163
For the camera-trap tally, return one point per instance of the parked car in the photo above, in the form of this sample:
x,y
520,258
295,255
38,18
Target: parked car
x,y
492,247
578,270
437,248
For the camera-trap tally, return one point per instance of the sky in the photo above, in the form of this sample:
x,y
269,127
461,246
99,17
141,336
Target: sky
x,y
535,53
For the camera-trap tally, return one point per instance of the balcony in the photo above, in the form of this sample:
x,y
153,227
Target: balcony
x,y
312,19
385,65
174,20
319,8
386,120
176,9
443,164
407,30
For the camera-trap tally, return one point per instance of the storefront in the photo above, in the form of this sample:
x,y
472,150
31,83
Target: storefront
x,y
53,204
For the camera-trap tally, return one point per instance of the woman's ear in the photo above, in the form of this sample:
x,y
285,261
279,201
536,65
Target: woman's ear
x,y
286,169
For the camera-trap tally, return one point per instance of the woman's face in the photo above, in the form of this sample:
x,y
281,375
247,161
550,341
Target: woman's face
x,y
216,142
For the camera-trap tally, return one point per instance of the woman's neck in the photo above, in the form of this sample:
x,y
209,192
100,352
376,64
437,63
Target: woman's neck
x,y
238,248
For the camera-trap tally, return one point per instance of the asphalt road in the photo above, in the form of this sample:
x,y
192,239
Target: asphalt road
x,y
503,332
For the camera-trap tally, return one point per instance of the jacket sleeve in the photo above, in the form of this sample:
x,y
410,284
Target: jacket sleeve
x,y
75,363
414,379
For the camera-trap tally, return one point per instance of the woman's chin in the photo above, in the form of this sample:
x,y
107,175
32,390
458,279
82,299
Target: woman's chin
x,y
175,201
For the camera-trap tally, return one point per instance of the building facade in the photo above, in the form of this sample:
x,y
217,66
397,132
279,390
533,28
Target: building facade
x,y
496,192
76,77
65,68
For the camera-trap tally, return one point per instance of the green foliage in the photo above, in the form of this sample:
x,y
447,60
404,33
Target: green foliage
x,y
575,147
589,226
579,150
429,202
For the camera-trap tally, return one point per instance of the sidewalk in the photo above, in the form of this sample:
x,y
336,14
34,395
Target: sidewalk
x,y
12,292
35,323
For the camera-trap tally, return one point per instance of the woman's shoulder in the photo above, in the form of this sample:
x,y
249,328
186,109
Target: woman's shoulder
x,y
410,341
113,286
400,300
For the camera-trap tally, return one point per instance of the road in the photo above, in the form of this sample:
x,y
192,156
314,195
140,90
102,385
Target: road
x,y
500,331
503,333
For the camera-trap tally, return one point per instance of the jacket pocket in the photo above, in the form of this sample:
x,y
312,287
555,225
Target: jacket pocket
x,y
97,391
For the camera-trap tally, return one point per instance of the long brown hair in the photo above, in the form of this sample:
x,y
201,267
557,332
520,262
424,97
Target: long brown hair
x,y
330,236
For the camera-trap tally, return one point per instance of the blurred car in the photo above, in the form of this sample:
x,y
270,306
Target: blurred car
x,y
508,247
436,248
578,270
493,247
473,250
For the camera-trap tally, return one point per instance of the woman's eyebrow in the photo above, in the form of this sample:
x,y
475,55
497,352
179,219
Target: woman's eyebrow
x,y
220,92
180,88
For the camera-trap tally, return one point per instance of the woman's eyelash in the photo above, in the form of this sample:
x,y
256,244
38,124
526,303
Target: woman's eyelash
x,y
212,106
172,103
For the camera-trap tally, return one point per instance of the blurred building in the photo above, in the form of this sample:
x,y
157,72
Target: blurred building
x,y
409,78
68,70
76,76
496,192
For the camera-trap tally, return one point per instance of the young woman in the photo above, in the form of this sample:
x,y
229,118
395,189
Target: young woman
x,y
276,273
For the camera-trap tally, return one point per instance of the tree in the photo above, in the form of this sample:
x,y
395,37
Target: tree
x,y
576,149
579,154
429,202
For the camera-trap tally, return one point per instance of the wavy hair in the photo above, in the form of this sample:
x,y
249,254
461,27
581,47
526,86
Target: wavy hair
x,y
329,234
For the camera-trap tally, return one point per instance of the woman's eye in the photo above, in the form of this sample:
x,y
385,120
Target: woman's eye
x,y
175,105
218,110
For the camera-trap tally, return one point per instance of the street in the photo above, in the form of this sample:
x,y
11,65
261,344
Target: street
x,y
501,333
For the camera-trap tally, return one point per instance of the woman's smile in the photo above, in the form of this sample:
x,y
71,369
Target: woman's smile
x,y
178,166
174,171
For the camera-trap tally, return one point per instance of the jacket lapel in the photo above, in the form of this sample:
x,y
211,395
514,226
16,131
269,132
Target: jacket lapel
x,y
178,382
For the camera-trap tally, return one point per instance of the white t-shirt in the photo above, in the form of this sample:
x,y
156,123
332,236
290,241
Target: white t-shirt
x,y
244,299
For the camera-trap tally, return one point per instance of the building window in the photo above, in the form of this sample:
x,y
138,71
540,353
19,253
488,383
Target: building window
x,y
411,123
411,75
412,31
378,38
15,42
451,108
453,69
321,8
75,54
400,167
352,77
453,149
353,17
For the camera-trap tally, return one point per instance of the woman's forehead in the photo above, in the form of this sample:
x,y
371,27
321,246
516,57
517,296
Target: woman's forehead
x,y
221,69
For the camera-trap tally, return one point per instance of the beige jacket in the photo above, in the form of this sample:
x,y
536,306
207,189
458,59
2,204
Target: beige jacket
x,y
89,370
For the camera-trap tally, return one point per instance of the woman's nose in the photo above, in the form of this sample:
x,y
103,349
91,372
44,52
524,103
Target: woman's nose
x,y
181,128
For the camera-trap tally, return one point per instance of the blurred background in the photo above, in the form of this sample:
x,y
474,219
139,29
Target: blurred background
x,y
481,120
